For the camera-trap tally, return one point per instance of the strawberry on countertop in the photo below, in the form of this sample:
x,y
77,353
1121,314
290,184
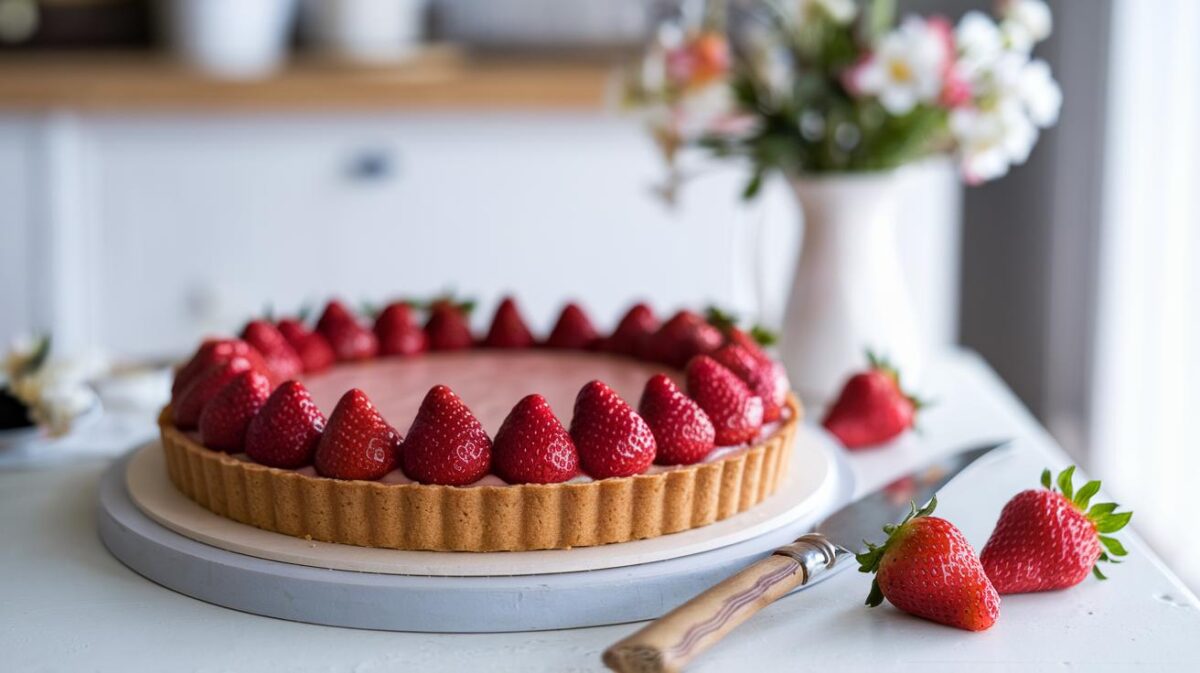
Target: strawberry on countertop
x,y
314,350
280,356
872,407
446,443
682,431
225,418
508,328
1049,539
533,447
633,332
927,568
357,443
573,330
735,411
287,429
398,332
613,441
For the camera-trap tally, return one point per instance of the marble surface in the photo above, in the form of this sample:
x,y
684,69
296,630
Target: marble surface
x,y
65,604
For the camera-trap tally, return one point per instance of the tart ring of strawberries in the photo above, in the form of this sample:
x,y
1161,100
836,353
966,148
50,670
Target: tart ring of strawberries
x,y
356,433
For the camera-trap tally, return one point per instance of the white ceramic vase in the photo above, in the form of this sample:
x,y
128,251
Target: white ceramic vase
x,y
849,293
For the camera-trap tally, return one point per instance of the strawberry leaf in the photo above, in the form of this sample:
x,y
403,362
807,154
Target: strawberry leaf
x,y
720,318
1099,575
1046,479
928,508
1100,509
1064,482
1085,494
1111,523
763,336
1113,545
876,596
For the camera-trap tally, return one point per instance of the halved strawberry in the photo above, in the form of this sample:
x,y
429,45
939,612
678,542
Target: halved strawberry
x,y
612,440
446,444
189,404
682,431
735,411
573,330
225,418
508,329
287,429
533,447
314,350
214,352
447,328
357,443
266,338
765,377
632,333
681,338
398,332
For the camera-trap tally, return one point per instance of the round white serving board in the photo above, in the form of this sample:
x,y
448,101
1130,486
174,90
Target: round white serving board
x,y
809,486
624,586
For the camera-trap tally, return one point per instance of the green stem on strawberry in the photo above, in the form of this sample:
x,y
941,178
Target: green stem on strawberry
x,y
868,561
1102,515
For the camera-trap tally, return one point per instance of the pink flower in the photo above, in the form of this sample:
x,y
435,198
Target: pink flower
x,y
956,90
702,59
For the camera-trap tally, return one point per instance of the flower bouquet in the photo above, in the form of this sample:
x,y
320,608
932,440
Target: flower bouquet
x,y
835,95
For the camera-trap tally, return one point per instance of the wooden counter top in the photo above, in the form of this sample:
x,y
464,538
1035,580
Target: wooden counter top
x,y
440,78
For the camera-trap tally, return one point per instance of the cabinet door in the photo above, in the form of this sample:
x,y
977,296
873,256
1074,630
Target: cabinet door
x,y
203,222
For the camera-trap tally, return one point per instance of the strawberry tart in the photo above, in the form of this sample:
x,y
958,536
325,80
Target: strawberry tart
x,y
511,442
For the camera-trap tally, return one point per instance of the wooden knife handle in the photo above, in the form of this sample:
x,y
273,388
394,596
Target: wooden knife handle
x,y
669,643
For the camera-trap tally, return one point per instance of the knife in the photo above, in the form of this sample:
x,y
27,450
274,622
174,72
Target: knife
x,y
669,643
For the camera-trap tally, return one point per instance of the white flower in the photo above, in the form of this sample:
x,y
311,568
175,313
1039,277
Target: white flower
x,y
1025,22
906,69
1039,93
979,43
991,140
840,12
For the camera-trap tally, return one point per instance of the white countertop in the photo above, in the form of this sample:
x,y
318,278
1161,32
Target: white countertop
x,y
65,604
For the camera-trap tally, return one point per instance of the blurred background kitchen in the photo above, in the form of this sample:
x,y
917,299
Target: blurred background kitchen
x,y
169,168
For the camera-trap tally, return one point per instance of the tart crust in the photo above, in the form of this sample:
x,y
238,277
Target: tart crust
x,y
519,517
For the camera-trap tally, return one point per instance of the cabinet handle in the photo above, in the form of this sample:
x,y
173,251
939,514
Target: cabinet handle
x,y
372,166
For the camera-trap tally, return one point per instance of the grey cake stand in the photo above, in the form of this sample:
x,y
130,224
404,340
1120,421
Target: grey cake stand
x,y
420,603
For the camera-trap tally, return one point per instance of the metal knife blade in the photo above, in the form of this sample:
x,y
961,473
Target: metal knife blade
x,y
863,518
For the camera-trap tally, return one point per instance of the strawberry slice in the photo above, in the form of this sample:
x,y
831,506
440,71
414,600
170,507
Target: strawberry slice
x,y
225,418
508,329
446,444
189,404
287,429
348,338
927,568
872,407
682,431
613,441
215,352
735,411
573,330
681,338
1049,539
447,328
765,377
357,443
281,358
314,350
533,447
633,332
398,332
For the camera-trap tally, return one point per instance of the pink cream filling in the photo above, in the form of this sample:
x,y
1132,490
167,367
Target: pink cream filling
x,y
490,382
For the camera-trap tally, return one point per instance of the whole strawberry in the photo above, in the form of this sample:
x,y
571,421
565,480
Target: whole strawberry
x,y
215,352
281,358
349,339
225,418
287,429
446,444
508,328
189,404
314,350
872,407
573,330
447,327
398,332
613,441
533,447
633,332
1047,539
682,431
735,411
764,376
926,568
357,443
681,338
